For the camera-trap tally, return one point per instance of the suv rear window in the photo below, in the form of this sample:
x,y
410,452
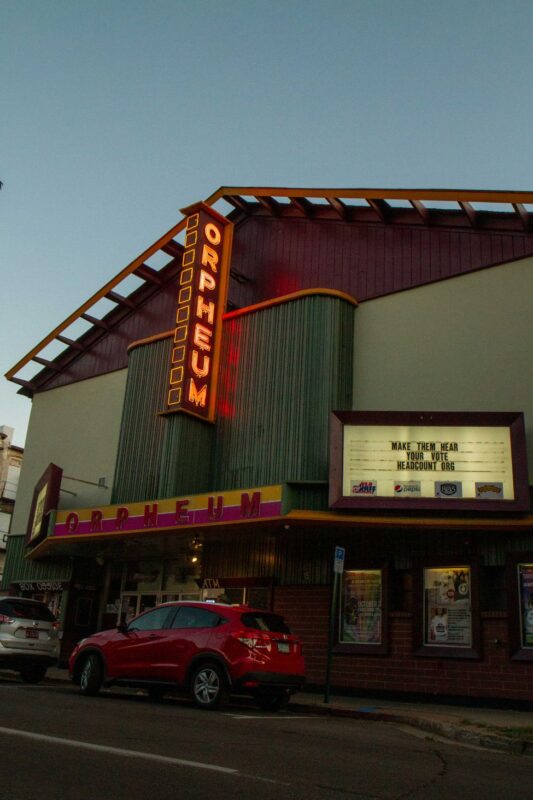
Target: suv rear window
x,y
19,610
263,621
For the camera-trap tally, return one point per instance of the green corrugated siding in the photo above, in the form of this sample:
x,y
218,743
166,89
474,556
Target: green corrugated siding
x,y
284,369
186,458
159,456
142,433
18,568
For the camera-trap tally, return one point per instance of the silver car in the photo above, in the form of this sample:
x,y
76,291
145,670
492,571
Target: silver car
x,y
29,641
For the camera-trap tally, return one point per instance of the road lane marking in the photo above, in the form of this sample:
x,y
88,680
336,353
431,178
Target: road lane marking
x,y
265,718
117,751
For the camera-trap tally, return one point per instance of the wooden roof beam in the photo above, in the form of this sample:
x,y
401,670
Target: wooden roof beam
x,y
303,205
120,299
95,321
524,215
340,207
271,205
148,274
421,210
172,248
48,364
237,202
381,207
470,212
70,342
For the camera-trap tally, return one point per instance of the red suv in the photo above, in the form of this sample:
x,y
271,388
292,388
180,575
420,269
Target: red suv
x,y
207,649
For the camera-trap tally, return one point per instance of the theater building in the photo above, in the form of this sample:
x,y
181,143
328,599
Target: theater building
x,y
286,375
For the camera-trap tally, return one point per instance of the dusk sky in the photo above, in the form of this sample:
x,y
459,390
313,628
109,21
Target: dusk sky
x,y
117,114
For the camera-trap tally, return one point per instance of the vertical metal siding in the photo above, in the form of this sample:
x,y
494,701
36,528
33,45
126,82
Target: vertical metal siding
x,y
159,456
142,429
286,255
186,456
18,568
284,369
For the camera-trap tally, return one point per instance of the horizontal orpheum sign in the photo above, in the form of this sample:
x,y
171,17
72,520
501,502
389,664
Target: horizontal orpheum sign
x,y
171,513
470,461
200,302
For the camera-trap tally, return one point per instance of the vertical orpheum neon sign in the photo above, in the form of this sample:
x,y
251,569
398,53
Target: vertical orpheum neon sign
x,y
201,299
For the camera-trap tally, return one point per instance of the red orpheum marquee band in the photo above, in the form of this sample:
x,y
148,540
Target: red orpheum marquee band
x,y
201,300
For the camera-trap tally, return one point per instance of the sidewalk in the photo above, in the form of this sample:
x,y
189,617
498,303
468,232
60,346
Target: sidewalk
x,y
506,730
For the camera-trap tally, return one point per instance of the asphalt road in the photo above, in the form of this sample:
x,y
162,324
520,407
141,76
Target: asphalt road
x,y
57,745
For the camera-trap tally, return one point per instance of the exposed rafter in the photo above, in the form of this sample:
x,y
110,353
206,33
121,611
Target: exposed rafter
x,y
270,204
100,323
70,342
381,207
469,210
120,300
340,207
524,215
237,202
148,274
48,364
421,210
173,249
303,205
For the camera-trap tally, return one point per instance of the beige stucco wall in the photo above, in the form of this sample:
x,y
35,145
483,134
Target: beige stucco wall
x,y
464,344
76,427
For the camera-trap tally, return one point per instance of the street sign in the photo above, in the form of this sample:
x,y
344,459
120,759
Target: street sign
x,y
338,563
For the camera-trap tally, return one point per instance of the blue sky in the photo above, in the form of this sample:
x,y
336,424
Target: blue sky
x,y
117,113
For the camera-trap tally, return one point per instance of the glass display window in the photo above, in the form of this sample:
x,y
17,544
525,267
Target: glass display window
x,y
447,609
519,580
363,610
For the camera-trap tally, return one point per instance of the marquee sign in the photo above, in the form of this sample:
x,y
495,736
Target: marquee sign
x,y
171,513
201,301
470,461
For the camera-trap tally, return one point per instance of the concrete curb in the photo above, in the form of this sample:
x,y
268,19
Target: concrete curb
x,y
459,733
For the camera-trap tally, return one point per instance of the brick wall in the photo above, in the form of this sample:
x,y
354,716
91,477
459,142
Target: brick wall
x,y
306,610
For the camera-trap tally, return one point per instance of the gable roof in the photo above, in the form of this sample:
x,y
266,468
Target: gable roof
x,y
477,210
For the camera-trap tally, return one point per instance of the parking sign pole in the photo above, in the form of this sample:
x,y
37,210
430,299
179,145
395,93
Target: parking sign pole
x,y
338,568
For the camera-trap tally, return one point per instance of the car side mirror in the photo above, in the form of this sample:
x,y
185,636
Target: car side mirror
x,y
122,627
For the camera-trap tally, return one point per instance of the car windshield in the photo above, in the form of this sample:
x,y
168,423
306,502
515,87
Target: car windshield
x,y
263,621
21,610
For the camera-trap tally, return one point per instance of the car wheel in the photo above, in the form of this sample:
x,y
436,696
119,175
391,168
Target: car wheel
x,y
91,676
208,685
33,673
272,700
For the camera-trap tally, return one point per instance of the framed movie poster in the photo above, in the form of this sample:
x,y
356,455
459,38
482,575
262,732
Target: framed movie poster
x,y
447,609
363,610
520,605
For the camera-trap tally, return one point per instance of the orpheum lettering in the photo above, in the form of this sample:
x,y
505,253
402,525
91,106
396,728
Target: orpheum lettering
x,y
170,513
201,299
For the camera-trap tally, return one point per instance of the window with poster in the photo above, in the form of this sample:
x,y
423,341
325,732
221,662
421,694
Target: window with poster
x,y
520,605
447,606
363,610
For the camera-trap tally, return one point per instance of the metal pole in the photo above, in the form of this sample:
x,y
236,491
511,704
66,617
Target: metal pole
x,y
331,637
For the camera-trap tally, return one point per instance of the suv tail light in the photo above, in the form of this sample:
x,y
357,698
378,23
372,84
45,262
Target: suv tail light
x,y
255,640
5,619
